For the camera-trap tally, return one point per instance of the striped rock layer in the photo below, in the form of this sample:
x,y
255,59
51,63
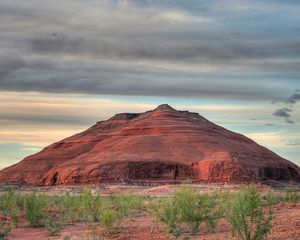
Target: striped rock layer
x,y
163,145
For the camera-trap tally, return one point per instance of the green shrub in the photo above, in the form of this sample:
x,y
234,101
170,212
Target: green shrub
x,y
6,201
291,195
10,205
186,209
166,211
72,207
90,206
94,210
125,204
246,216
221,198
69,201
33,206
193,209
54,224
66,237
270,198
4,230
108,218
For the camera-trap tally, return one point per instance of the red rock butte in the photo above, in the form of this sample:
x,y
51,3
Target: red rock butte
x,y
163,145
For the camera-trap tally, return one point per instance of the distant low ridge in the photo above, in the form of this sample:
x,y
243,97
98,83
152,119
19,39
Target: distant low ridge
x,y
162,145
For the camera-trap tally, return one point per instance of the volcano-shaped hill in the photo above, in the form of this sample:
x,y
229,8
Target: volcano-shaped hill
x,y
162,145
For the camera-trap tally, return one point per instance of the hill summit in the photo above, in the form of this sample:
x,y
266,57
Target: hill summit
x,y
162,145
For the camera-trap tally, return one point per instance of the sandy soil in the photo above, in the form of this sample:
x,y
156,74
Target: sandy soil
x,y
143,228
77,230
286,222
286,226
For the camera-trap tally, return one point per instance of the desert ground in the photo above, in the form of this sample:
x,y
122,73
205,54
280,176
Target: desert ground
x,y
140,223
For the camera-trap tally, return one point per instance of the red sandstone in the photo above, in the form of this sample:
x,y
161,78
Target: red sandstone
x,y
162,145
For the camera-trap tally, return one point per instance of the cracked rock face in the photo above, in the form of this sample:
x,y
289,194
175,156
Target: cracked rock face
x,y
162,145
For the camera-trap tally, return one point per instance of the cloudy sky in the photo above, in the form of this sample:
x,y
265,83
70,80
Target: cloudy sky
x,y
66,64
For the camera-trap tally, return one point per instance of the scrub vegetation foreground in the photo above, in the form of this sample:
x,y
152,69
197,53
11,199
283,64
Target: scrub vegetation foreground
x,y
246,214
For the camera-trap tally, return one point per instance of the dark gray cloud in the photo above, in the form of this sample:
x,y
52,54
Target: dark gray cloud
x,y
289,121
56,44
8,65
152,48
106,79
45,119
283,112
165,49
293,99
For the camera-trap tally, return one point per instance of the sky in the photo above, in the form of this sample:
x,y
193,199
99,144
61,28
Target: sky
x,y
66,64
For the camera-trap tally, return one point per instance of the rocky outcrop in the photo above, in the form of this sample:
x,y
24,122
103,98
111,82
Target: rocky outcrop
x,y
162,145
